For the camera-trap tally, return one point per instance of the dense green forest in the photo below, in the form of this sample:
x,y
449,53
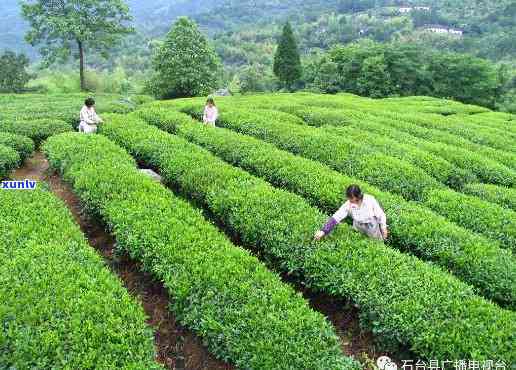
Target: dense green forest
x,y
245,34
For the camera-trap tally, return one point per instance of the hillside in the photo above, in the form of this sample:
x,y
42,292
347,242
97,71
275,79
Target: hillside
x,y
238,25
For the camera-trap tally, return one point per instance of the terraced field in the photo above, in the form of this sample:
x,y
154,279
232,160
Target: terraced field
x,y
226,238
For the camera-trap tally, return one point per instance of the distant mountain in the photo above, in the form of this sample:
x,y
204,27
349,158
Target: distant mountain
x,y
489,26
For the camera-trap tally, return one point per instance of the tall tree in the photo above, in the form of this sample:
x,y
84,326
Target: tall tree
x,y
287,61
64,26
13,73
186,64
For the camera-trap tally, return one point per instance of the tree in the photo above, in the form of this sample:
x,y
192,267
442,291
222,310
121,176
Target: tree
x,y
287,61
463,77
13,73
185,65
62,27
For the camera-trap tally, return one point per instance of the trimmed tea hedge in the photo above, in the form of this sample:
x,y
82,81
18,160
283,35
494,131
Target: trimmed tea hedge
x,y
61,308
434,136
38,130
401,297
468,162
485,169
486,218
473,259
503,196
354,109
339,153
243,312
23,145
9,160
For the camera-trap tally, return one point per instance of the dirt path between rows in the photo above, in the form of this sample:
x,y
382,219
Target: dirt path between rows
x,y
176,347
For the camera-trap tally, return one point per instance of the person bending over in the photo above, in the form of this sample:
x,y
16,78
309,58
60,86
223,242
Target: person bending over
x,y
368,217
89,118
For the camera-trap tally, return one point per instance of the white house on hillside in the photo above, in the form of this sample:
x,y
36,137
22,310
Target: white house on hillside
x,y
408,9
443,30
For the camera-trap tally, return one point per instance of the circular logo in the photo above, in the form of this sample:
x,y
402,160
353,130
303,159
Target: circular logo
x,y
385,363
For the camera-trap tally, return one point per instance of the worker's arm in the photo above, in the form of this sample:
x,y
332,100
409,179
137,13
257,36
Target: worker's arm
x,y
97,118
333,221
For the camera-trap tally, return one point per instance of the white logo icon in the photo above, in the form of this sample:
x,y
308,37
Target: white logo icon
x,y
385,363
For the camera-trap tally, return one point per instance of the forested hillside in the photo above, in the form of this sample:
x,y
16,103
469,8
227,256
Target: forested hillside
x,y
245,34
489,26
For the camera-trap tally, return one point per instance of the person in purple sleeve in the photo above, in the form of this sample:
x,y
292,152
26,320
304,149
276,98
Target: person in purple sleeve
x,y
368,217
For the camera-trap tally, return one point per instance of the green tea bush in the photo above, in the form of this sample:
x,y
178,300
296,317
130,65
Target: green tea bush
x,y
384,115
9,160
400,297
437,167
38,130
339,153
481,135
489,219
466,161
23,145
500,195
243,312
61,308
474,259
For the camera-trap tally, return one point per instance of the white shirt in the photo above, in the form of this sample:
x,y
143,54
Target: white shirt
x,y
89,116
368,211
210,114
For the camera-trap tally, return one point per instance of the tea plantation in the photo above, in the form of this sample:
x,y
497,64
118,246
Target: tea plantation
x,y
228,233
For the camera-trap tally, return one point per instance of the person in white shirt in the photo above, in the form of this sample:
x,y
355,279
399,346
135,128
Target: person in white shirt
x,y
211,113
89,118
368,217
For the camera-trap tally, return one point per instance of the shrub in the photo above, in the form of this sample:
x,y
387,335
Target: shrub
x,y
339,153
61,307
500,195
23,145
243,312
467,162
401,298
38,130
473,259
486,218
9,160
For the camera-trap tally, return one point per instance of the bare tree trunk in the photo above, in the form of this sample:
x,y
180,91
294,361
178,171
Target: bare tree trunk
x,y
81,63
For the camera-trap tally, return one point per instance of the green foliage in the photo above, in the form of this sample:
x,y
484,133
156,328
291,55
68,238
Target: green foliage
x,y
13,72
38,130
500,195
9,160
381,70
489,219
462,77
287,61
435,166
400,297
342,154
185,65
61,307
23,145
244,313
473,259
66,26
